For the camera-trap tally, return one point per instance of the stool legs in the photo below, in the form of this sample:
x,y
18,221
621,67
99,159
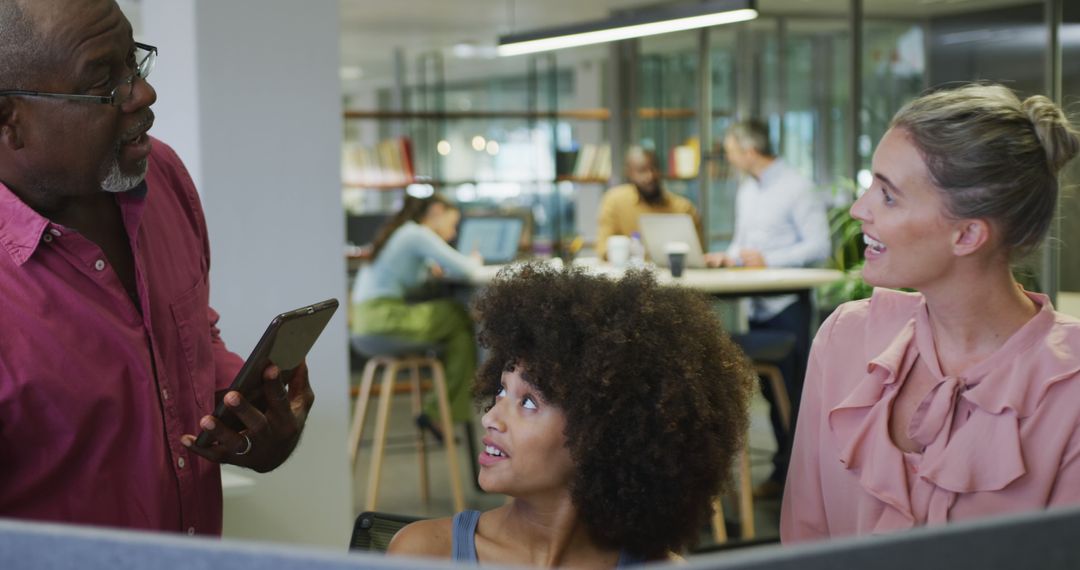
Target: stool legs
x,y
382,417
746,503
775,378
448,434
421,443
390,367
746,495
360,411
719,530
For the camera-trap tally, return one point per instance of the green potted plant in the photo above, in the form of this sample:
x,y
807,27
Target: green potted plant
x,y
847,254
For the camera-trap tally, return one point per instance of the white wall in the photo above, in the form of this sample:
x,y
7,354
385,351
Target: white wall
x,y
249,95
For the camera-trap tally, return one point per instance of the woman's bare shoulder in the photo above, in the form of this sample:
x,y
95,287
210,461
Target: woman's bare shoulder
x,y
429,538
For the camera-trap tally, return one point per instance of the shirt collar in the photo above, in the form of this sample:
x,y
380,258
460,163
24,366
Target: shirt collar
x,y
22,228
771,173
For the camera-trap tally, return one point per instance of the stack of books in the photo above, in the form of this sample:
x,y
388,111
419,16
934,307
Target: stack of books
x,y
593,162
387,164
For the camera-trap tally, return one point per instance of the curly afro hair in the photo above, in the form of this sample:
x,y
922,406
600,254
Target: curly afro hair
x,y
654,394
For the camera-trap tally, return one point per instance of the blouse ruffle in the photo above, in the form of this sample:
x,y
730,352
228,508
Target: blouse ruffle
x,y
969,424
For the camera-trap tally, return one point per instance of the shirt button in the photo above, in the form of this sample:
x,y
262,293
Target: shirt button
x,y
191,531
99,265
47,238
55,232
164,394
180,462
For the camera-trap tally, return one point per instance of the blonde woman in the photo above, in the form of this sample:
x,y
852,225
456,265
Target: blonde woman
x,y
958,401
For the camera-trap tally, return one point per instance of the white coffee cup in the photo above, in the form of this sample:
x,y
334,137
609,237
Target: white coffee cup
x,y
618,250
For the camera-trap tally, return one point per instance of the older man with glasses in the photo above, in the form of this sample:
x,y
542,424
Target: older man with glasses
x,y
110,355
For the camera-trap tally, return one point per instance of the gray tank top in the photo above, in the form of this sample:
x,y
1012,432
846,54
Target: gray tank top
x,y
464,541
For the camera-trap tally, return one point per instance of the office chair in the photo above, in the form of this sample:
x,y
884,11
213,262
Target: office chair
x,y
373,531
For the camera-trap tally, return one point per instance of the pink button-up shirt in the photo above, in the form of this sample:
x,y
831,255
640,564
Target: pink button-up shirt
x,y
94,395
1002,437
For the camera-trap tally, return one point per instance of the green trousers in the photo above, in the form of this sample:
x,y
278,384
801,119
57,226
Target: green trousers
x,y
441,321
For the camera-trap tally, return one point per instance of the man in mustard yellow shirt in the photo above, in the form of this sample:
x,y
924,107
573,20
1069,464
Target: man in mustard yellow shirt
x,y
623,205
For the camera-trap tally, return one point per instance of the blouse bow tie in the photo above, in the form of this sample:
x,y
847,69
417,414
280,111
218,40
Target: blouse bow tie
x,y
936,412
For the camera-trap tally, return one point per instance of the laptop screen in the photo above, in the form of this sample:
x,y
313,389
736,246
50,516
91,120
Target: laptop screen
x,y
495,237
657,230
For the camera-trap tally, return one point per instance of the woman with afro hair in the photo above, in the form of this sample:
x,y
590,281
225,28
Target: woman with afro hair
x,y
614,411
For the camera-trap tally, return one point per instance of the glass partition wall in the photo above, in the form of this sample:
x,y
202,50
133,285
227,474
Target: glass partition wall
x,y
554,127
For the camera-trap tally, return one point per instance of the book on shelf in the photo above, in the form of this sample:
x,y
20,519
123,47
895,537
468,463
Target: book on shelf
x,y
387,163
684,160
593,162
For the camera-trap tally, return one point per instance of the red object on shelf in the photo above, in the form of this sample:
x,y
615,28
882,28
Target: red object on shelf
x,y
407,161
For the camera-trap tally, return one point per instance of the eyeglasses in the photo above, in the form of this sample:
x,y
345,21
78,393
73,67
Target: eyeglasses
x,y
145,56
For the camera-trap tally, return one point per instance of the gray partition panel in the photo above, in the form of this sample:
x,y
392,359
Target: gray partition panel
x,y
1041,540
62,547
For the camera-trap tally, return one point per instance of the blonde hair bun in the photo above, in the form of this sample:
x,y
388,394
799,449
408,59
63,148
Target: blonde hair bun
x,y
1055,133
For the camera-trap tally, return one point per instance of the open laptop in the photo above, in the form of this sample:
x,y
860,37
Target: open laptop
x,y
495,237
657,230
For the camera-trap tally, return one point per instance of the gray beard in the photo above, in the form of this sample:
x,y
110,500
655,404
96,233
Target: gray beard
x,y
116,181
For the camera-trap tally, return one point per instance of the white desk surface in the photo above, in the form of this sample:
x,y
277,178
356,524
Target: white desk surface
x,y
715,281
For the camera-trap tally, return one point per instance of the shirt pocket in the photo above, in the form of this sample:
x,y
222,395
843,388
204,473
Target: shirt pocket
x,y
191,315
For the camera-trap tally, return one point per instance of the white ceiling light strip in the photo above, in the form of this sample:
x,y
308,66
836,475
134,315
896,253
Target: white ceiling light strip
x,y
611,31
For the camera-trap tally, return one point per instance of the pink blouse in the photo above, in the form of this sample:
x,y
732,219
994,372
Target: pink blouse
x,y
1000,438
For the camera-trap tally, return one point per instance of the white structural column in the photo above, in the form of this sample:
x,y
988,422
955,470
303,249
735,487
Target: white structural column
x,y
249,95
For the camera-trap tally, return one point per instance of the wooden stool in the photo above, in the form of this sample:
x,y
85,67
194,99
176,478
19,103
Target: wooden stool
x,y
391,356
746,503
774,348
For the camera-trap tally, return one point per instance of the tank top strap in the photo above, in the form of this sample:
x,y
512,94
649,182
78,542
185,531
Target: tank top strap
x,y
464,537
627,559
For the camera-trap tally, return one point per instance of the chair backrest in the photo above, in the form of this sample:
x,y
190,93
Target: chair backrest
x,y
361,229
373,531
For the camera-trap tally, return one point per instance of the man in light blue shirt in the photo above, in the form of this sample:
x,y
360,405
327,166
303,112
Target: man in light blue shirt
x,y
780,221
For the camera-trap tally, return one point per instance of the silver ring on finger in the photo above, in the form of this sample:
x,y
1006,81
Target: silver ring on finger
x,y
247,446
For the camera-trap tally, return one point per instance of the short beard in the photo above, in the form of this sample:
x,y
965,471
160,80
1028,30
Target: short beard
x,y
117,181
655,198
